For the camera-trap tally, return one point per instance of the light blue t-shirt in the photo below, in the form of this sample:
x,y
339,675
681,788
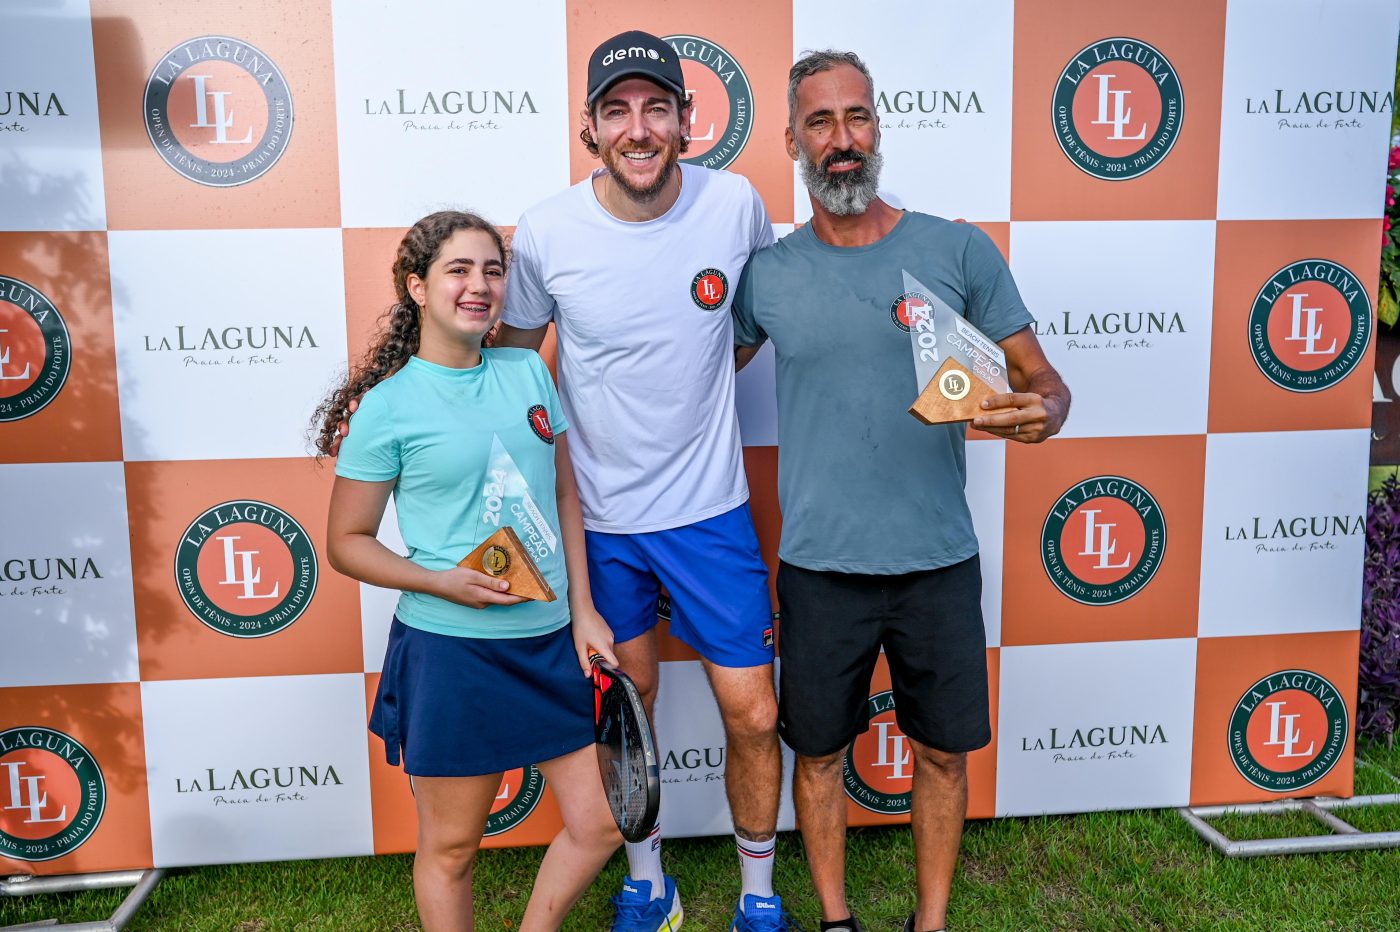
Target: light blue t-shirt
x,y
472,449
864,487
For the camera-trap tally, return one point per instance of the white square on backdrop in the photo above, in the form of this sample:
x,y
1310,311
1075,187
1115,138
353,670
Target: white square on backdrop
x,y
50,145
440,105
1305,113
267,768
942,73
1083,727
226,339
1123,311
1283,532
66,611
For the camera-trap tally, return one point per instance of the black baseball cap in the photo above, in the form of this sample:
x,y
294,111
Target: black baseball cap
x,y
634,54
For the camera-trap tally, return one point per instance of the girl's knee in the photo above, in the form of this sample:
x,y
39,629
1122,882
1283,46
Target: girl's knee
x,y
598,831
456,860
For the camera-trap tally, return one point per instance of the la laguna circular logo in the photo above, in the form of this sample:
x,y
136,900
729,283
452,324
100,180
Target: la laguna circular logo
x,y
1117,109
1103,540
53,790
878,769
218,111
722,116
1288,730
246,568
709,288
909,308
538,416
1310,325
36,352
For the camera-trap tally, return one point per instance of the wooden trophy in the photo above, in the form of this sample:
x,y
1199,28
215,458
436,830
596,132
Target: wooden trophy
x,y
955,364
954,394
503,556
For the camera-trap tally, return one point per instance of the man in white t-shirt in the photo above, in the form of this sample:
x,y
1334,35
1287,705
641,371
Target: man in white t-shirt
x,y
635,266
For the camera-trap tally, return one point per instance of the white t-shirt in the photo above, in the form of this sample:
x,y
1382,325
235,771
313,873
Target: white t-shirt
x,y
646,344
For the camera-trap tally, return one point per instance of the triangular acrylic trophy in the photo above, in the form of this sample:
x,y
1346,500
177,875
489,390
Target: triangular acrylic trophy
x,y
522,534
954,362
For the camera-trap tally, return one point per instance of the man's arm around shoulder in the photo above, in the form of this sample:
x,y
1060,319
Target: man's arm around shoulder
x,y
531,338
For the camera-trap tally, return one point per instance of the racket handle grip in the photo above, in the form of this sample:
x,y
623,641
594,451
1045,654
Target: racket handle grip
x,y
594,657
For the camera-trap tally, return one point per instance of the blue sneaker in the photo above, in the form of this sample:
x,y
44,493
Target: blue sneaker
x,y
761,914
638,912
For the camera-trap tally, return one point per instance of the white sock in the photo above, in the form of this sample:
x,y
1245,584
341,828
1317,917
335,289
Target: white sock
x,y
756,866
644,862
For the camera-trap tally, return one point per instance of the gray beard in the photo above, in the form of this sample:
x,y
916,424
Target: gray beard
x,y
843,195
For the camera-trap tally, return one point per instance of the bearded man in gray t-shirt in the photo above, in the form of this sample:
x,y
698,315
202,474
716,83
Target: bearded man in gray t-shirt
x,y
877,547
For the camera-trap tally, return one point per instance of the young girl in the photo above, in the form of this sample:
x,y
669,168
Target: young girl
x,y
476,681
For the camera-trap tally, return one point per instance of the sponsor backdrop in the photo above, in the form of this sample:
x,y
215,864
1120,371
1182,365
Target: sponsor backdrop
x,y
200,205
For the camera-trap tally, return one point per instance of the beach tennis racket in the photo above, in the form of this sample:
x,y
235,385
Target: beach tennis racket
x,y
626,750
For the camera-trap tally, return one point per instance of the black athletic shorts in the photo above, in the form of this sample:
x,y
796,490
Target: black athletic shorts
x,y
930,625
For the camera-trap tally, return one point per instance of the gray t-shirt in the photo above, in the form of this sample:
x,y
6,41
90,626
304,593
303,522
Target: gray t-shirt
x,y
863,486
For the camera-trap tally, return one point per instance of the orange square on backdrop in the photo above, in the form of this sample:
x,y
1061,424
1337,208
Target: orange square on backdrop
x,y
253,117
57,350
1046,183
1250,256
238,590
737,73
1056,519
1292,730
80,753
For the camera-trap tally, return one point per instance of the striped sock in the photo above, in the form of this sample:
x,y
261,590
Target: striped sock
x,y
756,866
644,862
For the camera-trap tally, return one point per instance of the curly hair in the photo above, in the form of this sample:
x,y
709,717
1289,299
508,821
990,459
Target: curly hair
x,y
400,327
683,109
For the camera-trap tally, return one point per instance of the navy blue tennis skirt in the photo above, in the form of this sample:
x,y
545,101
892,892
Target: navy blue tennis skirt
x,y
461,706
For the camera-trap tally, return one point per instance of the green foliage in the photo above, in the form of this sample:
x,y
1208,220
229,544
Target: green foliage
x,y
1389,310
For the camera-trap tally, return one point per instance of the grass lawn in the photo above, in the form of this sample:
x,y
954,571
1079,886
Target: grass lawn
x,y
1112,870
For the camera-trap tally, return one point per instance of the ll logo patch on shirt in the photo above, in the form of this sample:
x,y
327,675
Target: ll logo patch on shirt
x,y
708,289
539,423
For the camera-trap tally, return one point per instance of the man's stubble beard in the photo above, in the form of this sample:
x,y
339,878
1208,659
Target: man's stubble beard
x,y
613,160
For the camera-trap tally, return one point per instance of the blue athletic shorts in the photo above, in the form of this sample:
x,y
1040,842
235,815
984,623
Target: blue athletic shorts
x,y
716,578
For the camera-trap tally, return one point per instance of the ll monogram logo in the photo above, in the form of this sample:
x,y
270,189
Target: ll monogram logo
x,y
5,361
1122,113
234,560
894,753
222,122
1104,546
1308,333
27,796
1284,733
